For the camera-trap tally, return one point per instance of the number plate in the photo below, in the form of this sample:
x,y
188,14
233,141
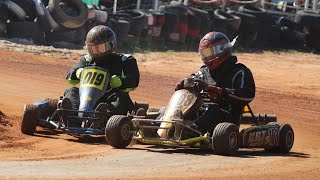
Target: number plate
x,y
93,78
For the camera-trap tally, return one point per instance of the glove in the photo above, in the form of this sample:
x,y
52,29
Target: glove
x,y
179,86
115,81
214,91
78,73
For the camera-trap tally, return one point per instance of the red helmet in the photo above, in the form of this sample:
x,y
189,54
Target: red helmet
x,y
214,49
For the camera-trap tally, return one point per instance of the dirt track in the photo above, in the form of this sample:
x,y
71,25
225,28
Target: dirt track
x,y
287,84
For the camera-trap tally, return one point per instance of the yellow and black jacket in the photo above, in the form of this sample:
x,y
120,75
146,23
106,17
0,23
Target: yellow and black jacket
x,y
122,65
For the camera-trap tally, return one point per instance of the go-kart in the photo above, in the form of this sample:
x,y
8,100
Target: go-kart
x,y
87,119
170,126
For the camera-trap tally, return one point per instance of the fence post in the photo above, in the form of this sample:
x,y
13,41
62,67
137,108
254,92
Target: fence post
x,y
138,4
156,4
115,6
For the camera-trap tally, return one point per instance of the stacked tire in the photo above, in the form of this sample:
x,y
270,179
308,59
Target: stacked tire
x,y
71,17
310,22
225,22
3,20
265,29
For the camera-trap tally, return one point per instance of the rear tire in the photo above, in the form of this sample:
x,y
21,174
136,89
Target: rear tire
x,y
286,140
118,131
225,139
29,119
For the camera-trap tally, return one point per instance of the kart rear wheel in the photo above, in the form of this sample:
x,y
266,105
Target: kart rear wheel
x,y
29,119
225,139
286,140
118,131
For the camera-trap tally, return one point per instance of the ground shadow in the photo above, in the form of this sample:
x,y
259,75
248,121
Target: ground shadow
x,y
242,153
87,139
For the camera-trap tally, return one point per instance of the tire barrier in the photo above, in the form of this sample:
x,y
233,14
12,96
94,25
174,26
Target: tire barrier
x,y
175,25
15,9
29,8
3,19
73,36
138,22
26,30
265,23
248,29
225,22
69,19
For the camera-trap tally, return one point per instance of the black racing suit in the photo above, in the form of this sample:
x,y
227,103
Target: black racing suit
x,y
238,89
118,99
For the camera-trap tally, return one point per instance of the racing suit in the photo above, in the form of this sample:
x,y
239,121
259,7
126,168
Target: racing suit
x,y
117,99
238,89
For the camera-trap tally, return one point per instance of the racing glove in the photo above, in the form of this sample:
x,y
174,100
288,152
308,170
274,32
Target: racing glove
x,y
78,73
115,81
214,91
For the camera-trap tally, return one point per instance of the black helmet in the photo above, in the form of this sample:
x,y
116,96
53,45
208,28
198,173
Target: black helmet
x,y
100,41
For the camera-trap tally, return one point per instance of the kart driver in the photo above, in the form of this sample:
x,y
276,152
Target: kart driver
x,y
101,46
230,84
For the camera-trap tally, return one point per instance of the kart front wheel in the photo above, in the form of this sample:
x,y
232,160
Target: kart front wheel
x,y
286,140
118,131
29,119
225,139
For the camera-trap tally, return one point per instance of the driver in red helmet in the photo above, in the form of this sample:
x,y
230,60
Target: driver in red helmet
x,y
230,84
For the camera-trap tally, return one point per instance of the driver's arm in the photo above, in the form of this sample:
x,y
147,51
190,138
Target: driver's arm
x,y
131,74
71,75
243,90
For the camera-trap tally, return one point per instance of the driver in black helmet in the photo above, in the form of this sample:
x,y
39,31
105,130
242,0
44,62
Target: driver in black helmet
x,y
101,46
230,84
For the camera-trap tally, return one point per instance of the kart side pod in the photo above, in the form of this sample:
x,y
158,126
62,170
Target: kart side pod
x,y
272,137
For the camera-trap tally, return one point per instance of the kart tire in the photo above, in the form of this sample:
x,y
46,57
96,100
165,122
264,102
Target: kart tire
x,y
52,105
286,140
141,112
225,139
29,119
68,21
118,131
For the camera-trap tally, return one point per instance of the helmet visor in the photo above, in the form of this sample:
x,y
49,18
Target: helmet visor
x,y
211,52
98,49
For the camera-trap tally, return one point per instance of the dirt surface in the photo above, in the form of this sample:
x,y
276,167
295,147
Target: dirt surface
x,y
287,85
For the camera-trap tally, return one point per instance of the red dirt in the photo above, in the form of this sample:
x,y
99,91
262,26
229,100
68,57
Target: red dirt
x,y
286,85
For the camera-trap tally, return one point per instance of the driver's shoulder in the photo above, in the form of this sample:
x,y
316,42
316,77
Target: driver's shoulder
x,y
125,57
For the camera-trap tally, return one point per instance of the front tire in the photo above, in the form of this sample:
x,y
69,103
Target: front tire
x,y
29,119
225,139
118,131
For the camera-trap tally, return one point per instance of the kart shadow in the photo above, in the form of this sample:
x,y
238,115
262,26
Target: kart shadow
x,y
242,153
259,153
86,139
47,133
